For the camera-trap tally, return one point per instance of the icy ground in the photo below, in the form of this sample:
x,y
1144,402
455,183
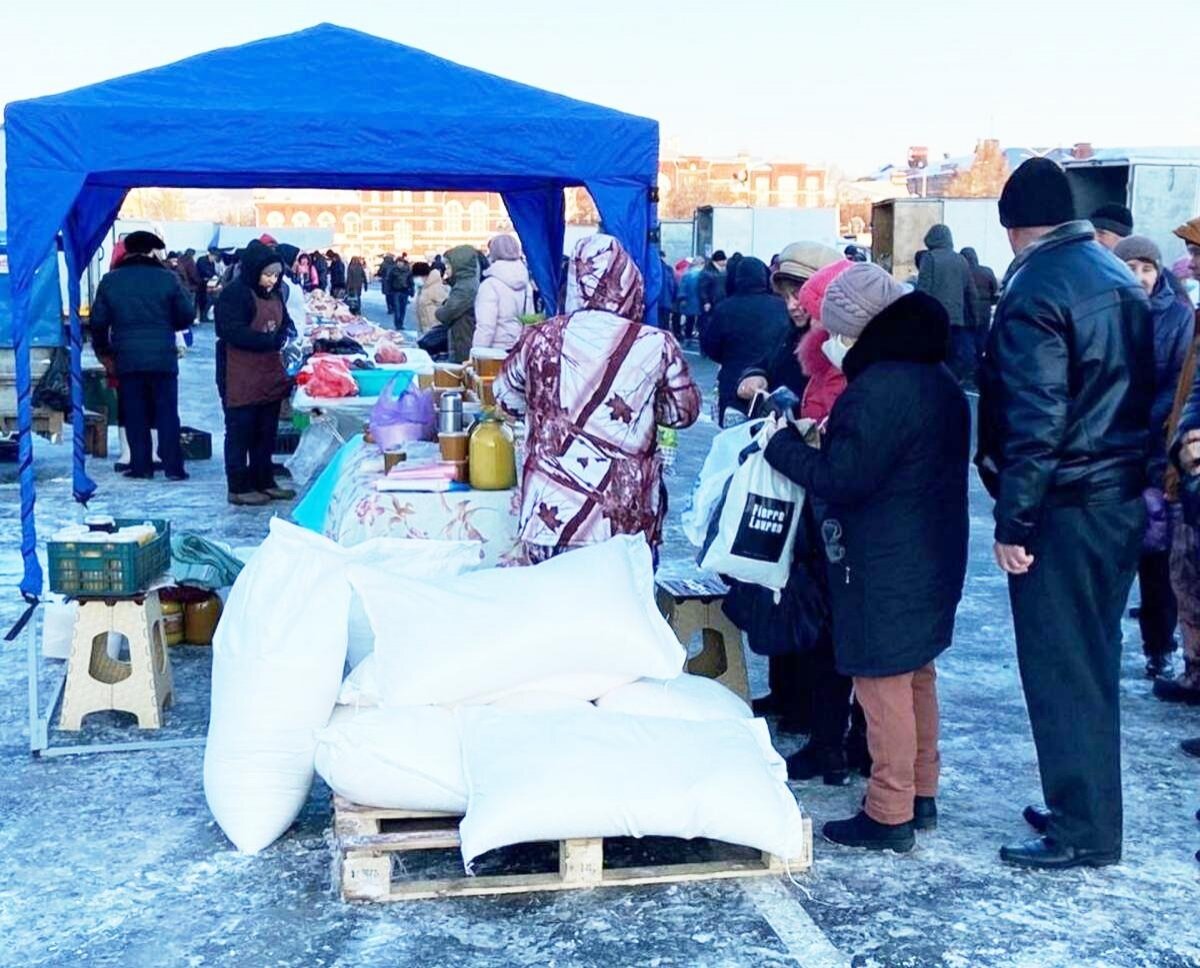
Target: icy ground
x,y
114,860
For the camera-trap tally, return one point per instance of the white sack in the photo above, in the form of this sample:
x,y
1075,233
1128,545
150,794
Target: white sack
x,y
400,759
278,656
719,465
590,612
756,528
362,688
684,697
557,776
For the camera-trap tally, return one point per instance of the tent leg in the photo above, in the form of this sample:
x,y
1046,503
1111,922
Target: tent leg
x,y
38,725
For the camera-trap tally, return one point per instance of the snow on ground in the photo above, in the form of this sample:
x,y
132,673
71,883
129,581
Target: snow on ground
x,y
115,860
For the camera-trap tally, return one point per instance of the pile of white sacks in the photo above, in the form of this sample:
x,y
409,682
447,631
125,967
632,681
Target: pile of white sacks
x,y
541,703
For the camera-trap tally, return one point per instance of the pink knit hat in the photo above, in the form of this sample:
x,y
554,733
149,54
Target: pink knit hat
x,y
812,293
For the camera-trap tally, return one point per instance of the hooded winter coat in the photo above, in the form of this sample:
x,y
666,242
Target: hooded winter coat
x,y
458,311
138,308
745,328
1174,327
429,300
946,276
987,287
503,296
892,478
249,365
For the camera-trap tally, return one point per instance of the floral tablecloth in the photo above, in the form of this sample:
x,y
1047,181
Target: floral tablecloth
x,y
357,511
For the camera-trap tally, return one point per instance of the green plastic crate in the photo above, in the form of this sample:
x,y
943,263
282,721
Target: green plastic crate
x,y
117,569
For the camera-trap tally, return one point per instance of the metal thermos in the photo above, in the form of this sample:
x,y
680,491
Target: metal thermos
x,y
450,414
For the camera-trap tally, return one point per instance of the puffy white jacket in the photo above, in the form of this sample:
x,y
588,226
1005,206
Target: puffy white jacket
x,y
504,294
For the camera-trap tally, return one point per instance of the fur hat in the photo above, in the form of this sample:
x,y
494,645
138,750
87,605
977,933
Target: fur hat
x,y
1189,231
856,297
1113,218
1036,194
143,243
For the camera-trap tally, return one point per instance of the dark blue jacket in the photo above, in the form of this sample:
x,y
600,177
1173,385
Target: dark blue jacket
x,y
689,292
1066,384
136,312
890,486
744,329
1174,325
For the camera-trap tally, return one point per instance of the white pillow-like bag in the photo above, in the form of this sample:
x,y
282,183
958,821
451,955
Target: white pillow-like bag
x,y
590,613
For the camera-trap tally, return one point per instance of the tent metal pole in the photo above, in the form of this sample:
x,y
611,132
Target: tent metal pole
x,y
136,746
38,727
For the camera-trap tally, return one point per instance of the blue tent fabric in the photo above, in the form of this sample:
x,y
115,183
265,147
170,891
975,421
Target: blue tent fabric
x,y
73,156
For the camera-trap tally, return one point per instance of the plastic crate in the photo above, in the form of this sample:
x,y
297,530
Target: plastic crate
x,y
116,569
196,444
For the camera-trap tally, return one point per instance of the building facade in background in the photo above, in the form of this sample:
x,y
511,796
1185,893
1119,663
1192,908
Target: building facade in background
x,y
371,223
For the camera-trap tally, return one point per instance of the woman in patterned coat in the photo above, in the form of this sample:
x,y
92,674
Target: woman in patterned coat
x,y
594,385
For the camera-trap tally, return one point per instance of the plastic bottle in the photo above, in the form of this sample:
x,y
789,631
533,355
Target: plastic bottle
x,y
668,446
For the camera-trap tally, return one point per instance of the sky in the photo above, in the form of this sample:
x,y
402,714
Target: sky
x,y
845,83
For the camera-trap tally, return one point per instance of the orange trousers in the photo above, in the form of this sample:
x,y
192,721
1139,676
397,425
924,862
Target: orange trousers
x,y
902,735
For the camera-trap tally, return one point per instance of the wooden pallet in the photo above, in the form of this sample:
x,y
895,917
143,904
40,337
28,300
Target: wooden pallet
x,y
364,860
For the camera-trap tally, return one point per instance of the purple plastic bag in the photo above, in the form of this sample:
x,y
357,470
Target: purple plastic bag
x,y
1158,521
398,420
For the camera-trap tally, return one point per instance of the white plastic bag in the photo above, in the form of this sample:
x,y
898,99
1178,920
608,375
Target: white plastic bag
x,y
277,661
684,697
402,759
319,442
719,465
754,532
590,612
559,776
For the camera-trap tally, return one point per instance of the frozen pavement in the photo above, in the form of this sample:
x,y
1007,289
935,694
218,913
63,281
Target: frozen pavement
x,y
115,860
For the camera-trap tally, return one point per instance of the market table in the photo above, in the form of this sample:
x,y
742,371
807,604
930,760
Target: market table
x,y
419,362
345,506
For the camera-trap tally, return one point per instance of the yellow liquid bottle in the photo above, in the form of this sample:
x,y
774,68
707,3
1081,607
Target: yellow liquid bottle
x,y
493,459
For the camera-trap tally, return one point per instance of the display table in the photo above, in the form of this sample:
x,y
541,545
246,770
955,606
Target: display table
x,y
355,511
419,362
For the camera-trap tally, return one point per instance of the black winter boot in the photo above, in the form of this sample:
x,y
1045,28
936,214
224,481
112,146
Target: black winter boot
x,y
813,760
925,813
862,831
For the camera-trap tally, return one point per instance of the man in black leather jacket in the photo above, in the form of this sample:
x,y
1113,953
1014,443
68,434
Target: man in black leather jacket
x,y
1064,412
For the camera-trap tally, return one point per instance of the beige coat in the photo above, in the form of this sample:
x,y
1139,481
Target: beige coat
x,y
433,294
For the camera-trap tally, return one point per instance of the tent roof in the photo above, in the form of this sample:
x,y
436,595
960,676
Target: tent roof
x,y
235,116
385,116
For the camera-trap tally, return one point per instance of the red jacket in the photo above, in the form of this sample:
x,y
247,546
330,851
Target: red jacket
x,y
825,381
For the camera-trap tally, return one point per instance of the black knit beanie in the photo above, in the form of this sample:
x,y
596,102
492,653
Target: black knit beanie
x,y
1113,218
1036,194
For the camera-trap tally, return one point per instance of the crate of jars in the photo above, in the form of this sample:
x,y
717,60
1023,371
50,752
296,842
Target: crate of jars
x,y
108,557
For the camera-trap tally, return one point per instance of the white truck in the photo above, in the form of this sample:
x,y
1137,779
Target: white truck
x,y
761,232
1160,186
898,228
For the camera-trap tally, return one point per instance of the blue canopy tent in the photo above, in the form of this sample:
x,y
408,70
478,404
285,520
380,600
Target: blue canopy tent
x,y
389,117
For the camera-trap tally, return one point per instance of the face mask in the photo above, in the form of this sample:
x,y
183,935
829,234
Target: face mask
x,y
835,350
